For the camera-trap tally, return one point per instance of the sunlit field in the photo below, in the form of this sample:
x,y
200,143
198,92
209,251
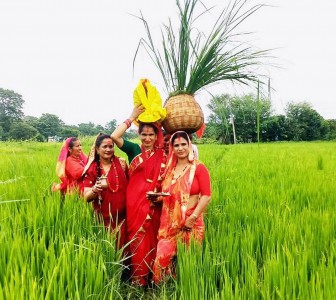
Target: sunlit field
x,y
270,229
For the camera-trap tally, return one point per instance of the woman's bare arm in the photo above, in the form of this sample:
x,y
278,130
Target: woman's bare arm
x,y
199,209
118,133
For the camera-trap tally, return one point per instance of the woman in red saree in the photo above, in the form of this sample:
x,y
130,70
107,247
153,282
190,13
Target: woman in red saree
x,y
70,166
187,181
147,164
105,183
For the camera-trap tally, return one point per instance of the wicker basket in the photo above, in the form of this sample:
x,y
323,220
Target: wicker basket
x,y
183,113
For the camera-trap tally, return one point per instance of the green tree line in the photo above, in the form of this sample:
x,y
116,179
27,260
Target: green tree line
x,y
233,119
251,119
14,125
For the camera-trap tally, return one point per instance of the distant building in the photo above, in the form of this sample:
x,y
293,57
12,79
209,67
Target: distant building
x,y
54,138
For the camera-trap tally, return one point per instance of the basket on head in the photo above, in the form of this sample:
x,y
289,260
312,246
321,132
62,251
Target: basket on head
x,y
183,113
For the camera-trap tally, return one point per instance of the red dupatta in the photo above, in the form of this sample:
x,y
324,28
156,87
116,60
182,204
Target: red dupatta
x,y
145,174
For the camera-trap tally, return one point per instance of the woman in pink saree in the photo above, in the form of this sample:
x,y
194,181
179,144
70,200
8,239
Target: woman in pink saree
x,y
187,181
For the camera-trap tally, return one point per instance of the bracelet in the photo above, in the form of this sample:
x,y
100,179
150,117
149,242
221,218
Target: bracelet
x,y
195,216
128,123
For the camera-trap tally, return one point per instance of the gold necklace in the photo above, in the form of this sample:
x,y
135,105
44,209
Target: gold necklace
x,y
106,170
115,174
174,179
116,177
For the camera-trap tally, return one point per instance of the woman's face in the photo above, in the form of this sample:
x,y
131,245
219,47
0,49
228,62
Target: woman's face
x,y
181,147
106,149
148,137
76,149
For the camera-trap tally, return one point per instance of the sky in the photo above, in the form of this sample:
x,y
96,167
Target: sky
x,y
74,58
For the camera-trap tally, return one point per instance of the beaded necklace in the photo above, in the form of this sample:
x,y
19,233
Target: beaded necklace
x,y
115,175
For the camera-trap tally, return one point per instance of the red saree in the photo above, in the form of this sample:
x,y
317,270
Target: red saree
x,y
69,170
143,219
112,208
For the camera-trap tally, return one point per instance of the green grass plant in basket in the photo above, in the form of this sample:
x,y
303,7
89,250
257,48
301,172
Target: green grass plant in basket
x,y
190,60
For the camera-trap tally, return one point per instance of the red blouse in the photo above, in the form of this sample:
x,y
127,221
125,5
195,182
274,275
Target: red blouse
x,y
201,183
73,170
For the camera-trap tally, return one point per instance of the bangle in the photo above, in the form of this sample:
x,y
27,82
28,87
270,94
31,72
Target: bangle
x,y
128,123
194,215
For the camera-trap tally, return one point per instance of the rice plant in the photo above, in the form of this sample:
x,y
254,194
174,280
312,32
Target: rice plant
x,y
270,229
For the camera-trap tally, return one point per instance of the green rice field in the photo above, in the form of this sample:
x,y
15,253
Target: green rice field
x,y
270,229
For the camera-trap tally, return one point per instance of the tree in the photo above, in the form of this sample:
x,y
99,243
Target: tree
x,y
87,129
11,104
330,129
49,125
110,126
274,129
218,119
99,128
245,109
242,111
304,123
32,121
69,131
23,131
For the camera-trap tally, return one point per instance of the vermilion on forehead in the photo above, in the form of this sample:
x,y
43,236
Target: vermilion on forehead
x,y
147,130
180,140
107,142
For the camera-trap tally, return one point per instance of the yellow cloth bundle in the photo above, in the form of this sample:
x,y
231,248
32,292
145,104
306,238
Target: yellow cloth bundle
x,y
147,95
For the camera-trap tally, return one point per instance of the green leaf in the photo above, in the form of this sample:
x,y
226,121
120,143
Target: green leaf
x,y
190,61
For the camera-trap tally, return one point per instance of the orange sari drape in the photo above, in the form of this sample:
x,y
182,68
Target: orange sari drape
x,y
173,216
174,213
